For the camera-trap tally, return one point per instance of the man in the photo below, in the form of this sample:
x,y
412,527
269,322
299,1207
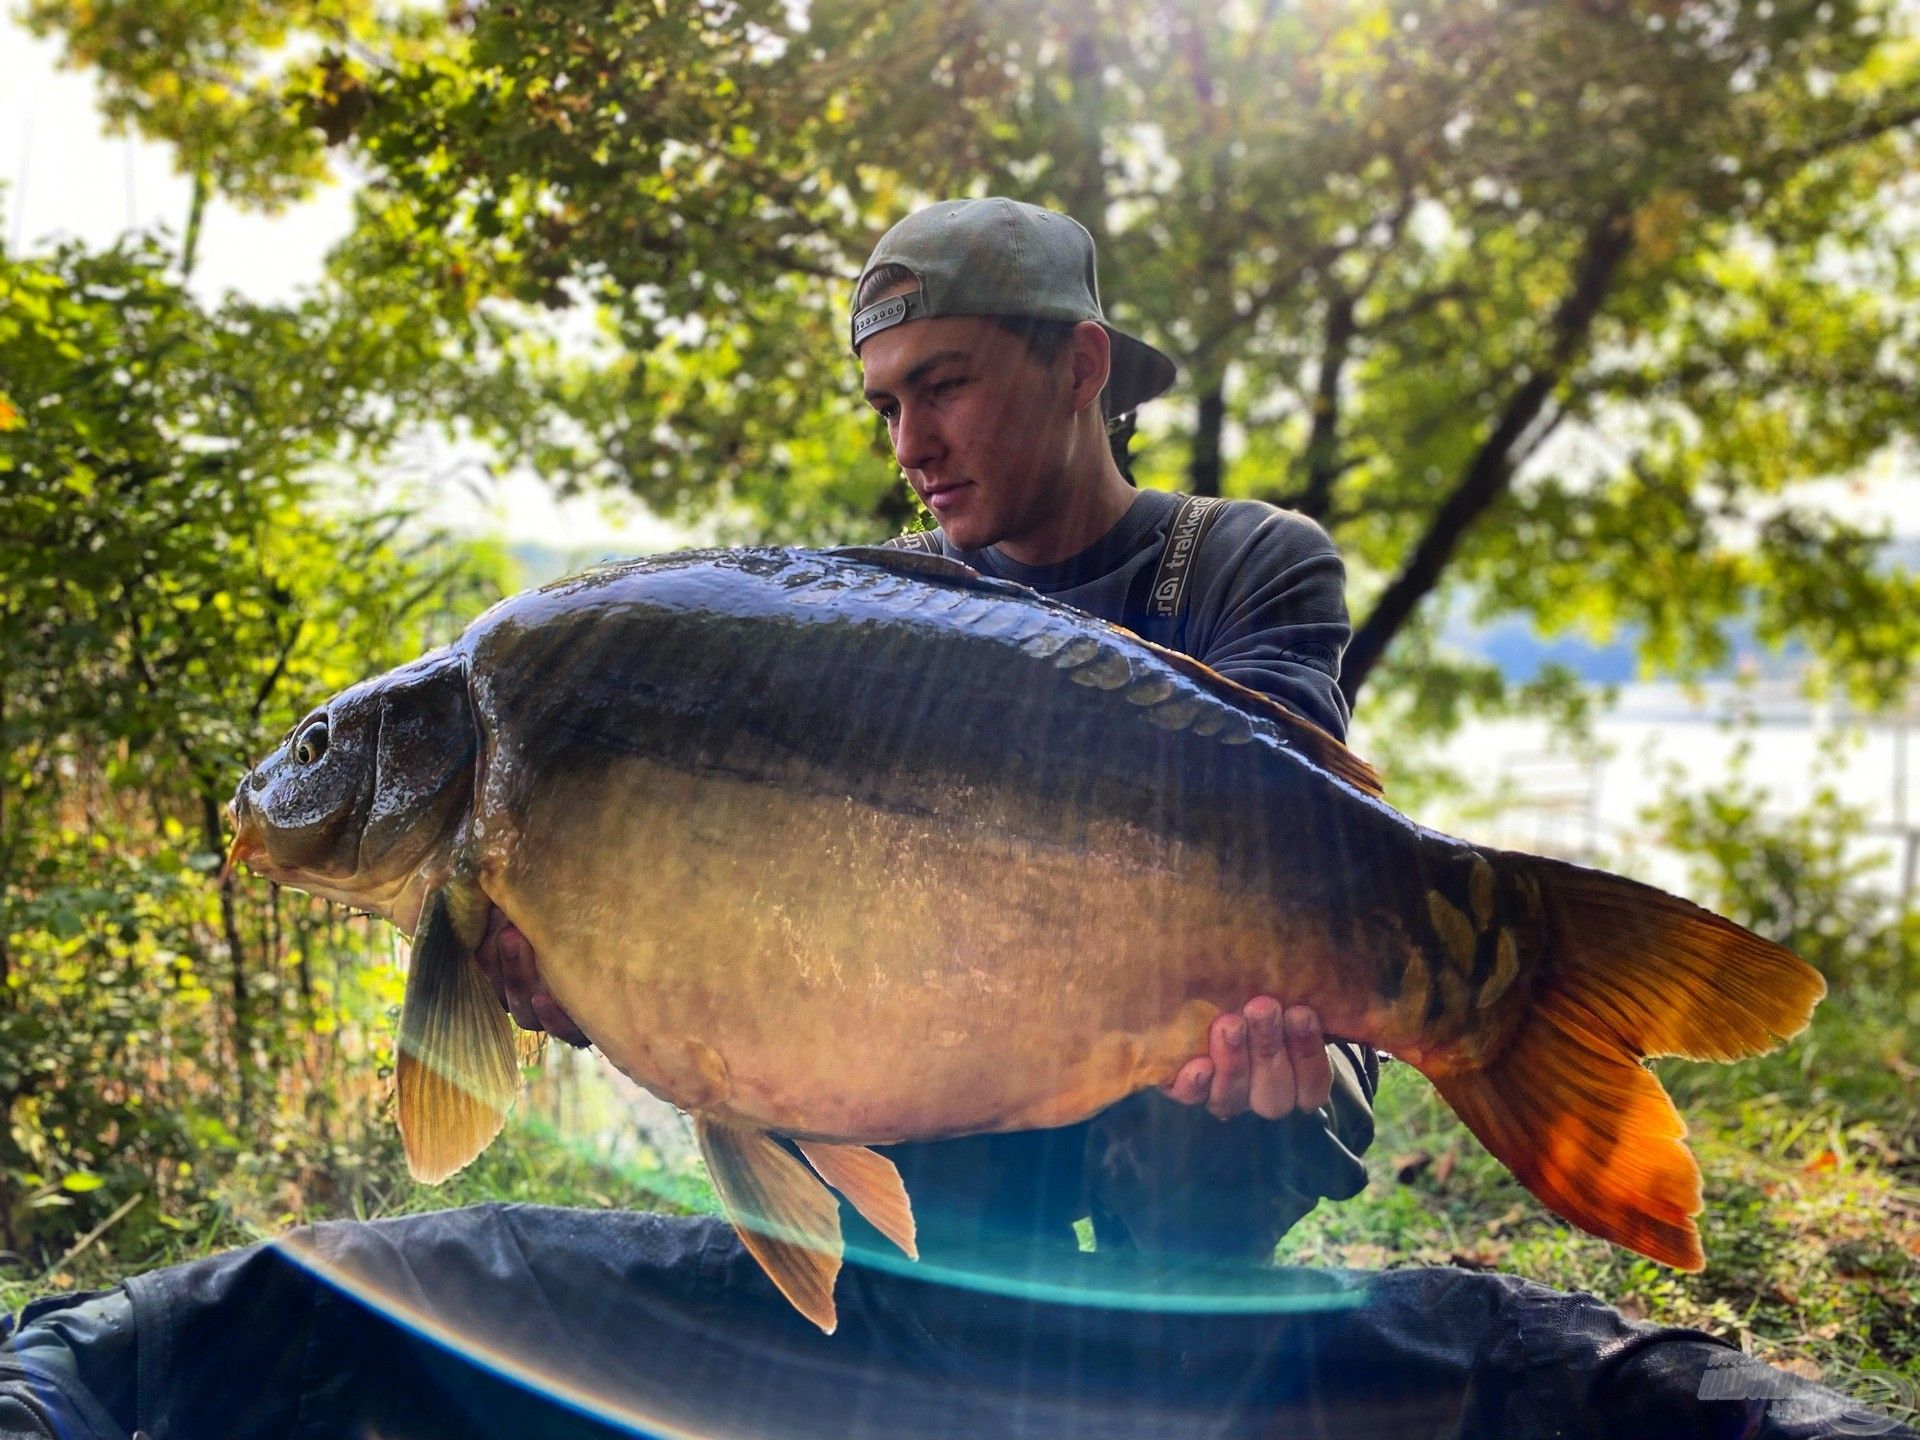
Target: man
x,y
983,347
527,1321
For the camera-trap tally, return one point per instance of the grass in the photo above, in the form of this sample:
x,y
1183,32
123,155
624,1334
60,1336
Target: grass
x,y
530,1162
364,1177
1811,1226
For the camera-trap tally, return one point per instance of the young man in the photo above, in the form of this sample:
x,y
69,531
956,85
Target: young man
x,y
982,345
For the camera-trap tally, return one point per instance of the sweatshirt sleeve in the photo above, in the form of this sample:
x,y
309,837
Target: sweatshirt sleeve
x,y
1169,1178
1270,610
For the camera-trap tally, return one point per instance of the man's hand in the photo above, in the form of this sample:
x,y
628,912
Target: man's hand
x,y
510,965
1264,1058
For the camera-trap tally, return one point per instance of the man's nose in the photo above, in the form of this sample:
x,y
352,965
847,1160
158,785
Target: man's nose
x,y
916,438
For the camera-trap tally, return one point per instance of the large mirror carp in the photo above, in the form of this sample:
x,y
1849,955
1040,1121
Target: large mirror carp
x,y
854,847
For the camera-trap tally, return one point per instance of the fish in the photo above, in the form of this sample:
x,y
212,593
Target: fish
x,y
840,848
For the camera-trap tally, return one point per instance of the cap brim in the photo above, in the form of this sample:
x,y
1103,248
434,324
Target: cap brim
x,y
1139,372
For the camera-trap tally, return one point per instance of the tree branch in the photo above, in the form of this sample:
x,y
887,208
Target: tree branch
x,y
1855,134
272,678
236,957
196,211
1204,466
1608,242
1321,459
1414,308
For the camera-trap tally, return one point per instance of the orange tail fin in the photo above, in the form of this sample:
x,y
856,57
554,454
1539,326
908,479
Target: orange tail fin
x,y
1628,971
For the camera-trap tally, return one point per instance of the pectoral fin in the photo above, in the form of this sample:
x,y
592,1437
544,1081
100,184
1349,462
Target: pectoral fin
x,y
786,1218
872,1186
458,1073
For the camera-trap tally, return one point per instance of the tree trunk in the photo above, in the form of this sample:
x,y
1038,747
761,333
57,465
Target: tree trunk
x,y
1085,190
12,1163
196,211
237,960
1491,470
1205,465
1321,459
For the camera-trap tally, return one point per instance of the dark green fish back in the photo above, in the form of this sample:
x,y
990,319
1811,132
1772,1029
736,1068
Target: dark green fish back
x,y
919,692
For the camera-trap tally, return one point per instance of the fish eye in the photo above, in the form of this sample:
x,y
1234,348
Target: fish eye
x,y
312,743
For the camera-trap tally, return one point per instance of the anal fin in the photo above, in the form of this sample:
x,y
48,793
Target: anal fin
x,y
872,1186
785,1217
457,1071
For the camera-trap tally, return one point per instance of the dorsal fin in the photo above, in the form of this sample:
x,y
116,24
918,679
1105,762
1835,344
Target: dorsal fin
x,y
935,567
1296,731
1323,749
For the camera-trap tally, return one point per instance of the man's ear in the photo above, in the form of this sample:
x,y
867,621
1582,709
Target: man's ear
x,y
1091,357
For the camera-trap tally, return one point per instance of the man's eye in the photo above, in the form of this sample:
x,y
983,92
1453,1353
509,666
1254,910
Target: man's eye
x,y
942,387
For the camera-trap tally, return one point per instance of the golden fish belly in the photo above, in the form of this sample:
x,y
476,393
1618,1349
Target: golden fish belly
x,y
811,964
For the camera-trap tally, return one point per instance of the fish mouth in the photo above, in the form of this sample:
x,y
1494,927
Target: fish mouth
x,y
248,844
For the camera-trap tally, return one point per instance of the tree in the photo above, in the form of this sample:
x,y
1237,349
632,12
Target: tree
x,y
1553,305
171,597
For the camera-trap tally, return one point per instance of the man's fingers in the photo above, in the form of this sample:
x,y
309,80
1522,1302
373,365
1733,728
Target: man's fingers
x,y
1265,1058
556,1021
1191,1085
508,962
1232,1070
518,978
1271,1091
1312,1070
488,953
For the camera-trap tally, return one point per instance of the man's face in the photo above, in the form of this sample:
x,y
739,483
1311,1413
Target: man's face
x,y
981,426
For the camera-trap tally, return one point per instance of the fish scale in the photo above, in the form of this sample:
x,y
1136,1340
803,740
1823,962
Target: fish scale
x,y
853,847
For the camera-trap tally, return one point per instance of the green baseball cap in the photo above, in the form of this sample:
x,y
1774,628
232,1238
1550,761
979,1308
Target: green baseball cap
x,y
1005,257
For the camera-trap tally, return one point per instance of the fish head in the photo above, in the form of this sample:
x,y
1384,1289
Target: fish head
x,y
367,790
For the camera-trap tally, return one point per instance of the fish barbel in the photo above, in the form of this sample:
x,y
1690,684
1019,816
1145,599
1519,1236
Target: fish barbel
x,y
857,847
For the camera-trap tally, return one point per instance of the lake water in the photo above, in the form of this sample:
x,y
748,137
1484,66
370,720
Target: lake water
x,y
1656,737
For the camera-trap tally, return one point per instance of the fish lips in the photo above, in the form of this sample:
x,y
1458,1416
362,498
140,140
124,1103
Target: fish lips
x,y
298,819
249,847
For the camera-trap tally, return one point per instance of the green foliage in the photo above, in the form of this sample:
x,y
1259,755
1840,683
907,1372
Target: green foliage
x,y
1805,879
202,77
1810,1224
173,596
1562,307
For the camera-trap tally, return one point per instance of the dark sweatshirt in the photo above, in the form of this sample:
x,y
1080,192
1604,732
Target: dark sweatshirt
x,y
1266,607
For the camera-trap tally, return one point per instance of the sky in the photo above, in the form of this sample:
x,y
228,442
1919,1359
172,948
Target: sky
x,y
65,177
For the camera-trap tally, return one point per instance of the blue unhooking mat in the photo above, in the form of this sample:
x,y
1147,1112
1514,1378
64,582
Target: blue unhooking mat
x,y
528,1322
